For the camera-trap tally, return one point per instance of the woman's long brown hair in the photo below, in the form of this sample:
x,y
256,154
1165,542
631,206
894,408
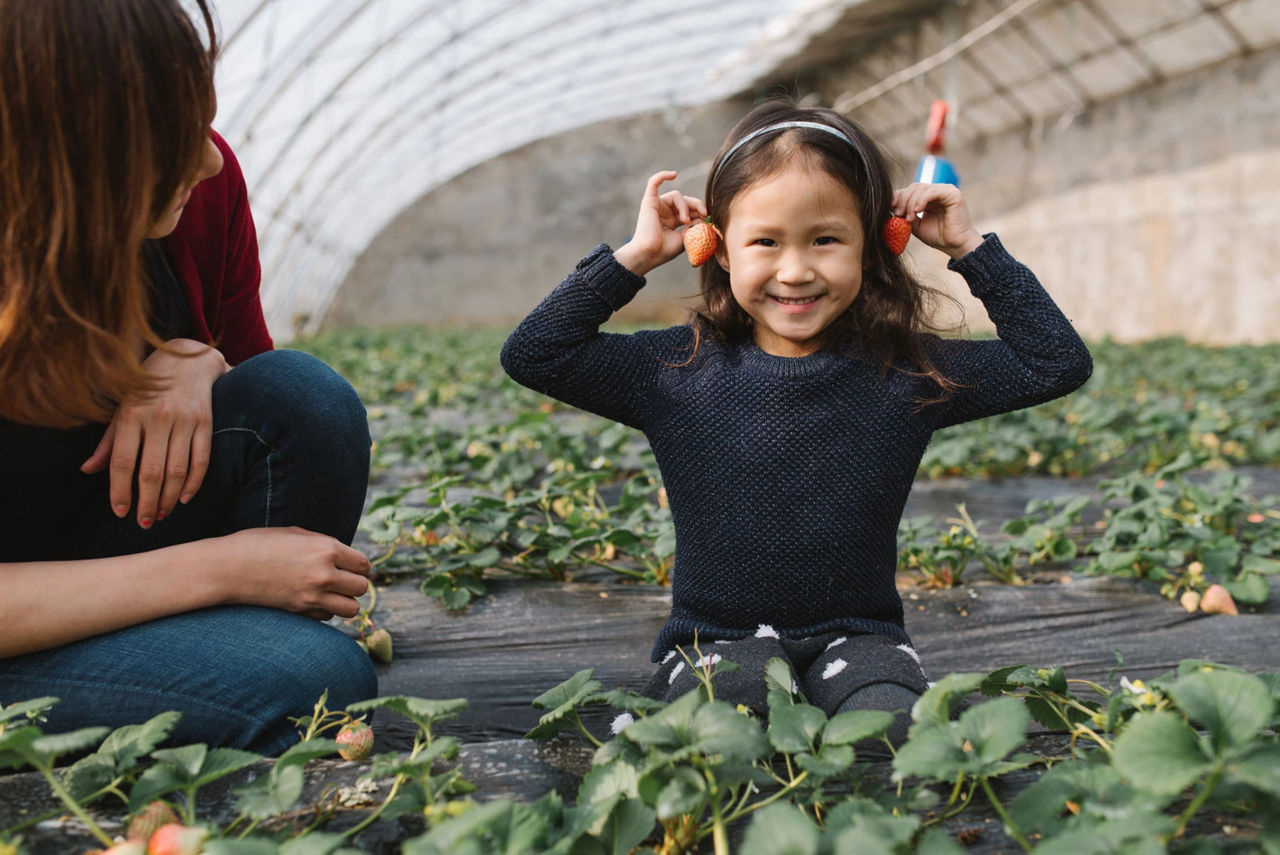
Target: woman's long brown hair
x,y
892,308
104,112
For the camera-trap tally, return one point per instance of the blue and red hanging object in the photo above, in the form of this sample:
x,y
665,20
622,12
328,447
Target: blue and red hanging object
x,y
933,168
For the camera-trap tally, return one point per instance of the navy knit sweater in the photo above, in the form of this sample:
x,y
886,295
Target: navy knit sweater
x,y
787,476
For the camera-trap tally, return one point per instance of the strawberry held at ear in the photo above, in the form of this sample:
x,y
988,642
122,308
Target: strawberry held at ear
x,y
897,231
700,241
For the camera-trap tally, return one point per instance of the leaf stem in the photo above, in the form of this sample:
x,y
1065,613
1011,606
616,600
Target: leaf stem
x,y
73,805
1004,815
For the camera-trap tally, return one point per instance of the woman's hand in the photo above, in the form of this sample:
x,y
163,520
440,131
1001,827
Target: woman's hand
x,y
938,216
295,570
657,237
165,437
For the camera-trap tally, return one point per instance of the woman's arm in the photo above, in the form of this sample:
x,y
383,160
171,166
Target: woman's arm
x,y
50,603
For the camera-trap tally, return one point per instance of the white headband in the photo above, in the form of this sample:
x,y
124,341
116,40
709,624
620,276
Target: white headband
x,y
781,126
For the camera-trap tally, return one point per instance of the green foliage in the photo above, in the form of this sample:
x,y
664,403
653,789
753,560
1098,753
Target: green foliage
x,y
680,774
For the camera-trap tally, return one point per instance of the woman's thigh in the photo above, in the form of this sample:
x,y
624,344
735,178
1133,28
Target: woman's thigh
x,y
236,673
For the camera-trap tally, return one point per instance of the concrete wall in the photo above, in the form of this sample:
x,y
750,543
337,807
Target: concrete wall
x,y
1157,213
487,246
1154,214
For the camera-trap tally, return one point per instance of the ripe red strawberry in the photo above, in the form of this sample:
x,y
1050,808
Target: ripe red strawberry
x,y
149,819
176,839
897,231
356,739
700,241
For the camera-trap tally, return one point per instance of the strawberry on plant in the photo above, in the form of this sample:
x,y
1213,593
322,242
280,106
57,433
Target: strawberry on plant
x,y
700,241
379,644
147,821
177,839
897,231
356,739
1217,601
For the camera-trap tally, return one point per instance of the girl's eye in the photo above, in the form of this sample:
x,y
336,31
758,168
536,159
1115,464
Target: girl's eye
x,y
763,242
825,239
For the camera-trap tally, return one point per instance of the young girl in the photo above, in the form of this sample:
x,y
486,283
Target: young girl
x,y
789,417
176,498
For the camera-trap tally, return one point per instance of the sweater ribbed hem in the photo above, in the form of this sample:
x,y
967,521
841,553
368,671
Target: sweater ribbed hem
x,y
612,282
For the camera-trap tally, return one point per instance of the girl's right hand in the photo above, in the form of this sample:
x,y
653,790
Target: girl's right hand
x,y
295,570
657,237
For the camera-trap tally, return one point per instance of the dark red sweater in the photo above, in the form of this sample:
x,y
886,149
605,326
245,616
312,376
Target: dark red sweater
x,y
214,251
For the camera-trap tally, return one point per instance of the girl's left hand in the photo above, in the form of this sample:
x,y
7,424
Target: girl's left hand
x,y
166,437
945,224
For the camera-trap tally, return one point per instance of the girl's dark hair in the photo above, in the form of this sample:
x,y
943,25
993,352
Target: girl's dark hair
x,y
105,108
891,309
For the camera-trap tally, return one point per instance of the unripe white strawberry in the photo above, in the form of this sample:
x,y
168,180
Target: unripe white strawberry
x,y
177,839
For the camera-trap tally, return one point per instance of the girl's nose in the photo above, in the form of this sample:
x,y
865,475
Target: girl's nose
x,y
794,268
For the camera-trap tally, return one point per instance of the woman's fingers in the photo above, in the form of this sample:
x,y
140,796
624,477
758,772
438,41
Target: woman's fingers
x,y
201,450
124,459
176,469
102,454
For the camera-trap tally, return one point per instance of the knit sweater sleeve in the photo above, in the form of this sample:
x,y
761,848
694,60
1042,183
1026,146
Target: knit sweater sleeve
x,y
559,350
1037,357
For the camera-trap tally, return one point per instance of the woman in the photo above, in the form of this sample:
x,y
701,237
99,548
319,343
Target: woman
x,y
176,498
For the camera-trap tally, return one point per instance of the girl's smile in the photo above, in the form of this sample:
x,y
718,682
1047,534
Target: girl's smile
x,y
793,250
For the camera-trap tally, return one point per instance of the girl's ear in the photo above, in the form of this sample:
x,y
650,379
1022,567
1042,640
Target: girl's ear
x,y
722,257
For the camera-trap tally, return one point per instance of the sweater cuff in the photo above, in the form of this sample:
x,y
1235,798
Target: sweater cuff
x,y
986,267
612,282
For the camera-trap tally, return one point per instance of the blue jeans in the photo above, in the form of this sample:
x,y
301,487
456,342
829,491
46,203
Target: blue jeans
x,y
290,447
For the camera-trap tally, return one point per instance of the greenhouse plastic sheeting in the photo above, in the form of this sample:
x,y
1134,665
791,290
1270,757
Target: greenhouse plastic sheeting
x,y
344,112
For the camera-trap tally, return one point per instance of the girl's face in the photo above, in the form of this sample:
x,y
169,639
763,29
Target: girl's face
x,y
793,251
210,165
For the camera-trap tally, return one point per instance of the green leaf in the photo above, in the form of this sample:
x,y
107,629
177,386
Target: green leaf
x,y
718,729
1232,706
57,744
229,846
780,829
831,760
1159,753
455,599
607,782
88,775
126,745
1040,807
796,727
21,708
316,843
994,729
629,823
1260,768
847,728
1250,589
420,711
933,753
563,701
302,753
935,841
685,792
186,759
271,794
935,705
669,727
1260,564
155,782
221,762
